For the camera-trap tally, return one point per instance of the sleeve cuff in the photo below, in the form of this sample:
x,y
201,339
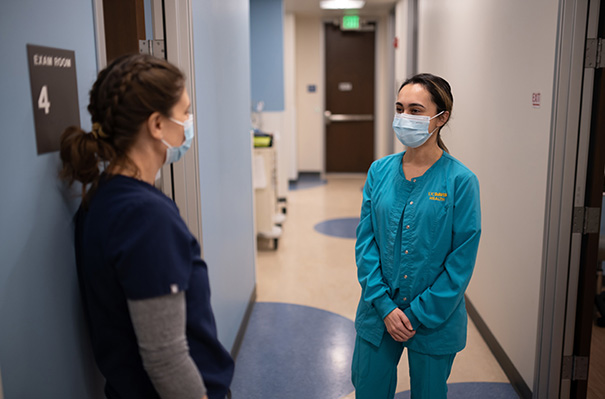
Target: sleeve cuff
x,y
413,319
384,305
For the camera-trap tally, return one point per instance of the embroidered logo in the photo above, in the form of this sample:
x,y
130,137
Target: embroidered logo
x,y
437,196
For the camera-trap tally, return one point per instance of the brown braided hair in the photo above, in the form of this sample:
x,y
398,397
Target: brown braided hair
x,y
441,95
123,97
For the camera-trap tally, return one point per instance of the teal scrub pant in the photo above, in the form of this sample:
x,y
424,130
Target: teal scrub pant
x,y
374,371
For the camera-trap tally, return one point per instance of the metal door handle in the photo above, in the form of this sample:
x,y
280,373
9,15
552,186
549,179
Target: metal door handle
x,y
329,117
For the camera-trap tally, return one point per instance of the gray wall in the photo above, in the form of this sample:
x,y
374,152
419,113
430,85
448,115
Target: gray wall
x,y
44,352
267,53
222,83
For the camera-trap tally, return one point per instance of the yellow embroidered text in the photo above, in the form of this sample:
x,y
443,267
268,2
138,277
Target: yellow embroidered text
x,y
437,196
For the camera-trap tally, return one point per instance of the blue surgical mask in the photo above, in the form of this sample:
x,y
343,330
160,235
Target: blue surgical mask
x,y
173,154
413,130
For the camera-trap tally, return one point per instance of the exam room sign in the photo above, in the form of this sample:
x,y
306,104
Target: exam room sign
x,y
52,76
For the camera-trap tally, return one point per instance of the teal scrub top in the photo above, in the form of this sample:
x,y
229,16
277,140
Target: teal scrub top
x,y
416,246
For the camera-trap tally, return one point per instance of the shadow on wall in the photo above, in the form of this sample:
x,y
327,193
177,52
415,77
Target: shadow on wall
x,y
44,344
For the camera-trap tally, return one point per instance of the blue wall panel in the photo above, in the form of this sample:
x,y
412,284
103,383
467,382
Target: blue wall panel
x,y
44,352
222,82
267,53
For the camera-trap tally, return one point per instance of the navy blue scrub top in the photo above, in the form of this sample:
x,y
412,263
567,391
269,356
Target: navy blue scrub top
x,y
132,243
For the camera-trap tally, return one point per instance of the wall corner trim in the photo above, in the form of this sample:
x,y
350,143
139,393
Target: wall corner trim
x,y
507,365
237,344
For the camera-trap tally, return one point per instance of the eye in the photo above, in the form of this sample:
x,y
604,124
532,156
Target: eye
x,y
399,110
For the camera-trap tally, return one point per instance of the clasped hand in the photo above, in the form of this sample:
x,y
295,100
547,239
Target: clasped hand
x,y
399,326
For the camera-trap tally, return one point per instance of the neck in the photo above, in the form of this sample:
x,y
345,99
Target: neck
x,y
146,160
426,154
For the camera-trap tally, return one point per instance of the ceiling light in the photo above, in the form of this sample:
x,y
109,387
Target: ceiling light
x,y
341,4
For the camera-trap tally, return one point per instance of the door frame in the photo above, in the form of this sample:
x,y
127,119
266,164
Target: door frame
x,y
178,25
383,90
570,132
172,21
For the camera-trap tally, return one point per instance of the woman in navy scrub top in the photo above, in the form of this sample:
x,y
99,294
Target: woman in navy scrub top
x,y
416,246
143,285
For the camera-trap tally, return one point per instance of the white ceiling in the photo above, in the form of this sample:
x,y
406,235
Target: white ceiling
x,y
311,7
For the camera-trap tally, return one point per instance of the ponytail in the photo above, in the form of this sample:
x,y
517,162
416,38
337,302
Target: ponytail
x,y
440,142
81,153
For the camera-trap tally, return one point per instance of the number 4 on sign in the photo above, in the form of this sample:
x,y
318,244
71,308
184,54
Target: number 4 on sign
x,y
43,102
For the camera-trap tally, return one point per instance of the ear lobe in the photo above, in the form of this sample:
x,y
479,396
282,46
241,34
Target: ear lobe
x,y
443,118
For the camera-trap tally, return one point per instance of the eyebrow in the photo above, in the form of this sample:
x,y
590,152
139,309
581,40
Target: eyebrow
x,y
411,105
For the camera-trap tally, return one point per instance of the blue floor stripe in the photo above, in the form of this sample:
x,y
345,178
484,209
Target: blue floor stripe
x,y
475,390
293,351
306,180
342,228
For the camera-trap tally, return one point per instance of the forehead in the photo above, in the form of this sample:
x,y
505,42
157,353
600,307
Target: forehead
x,y
184,100
414,94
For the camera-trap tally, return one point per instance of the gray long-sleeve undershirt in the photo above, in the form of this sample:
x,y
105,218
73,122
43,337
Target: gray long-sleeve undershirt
x,y
159,324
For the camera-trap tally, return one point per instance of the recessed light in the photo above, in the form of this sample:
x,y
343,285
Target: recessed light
x,y
341,4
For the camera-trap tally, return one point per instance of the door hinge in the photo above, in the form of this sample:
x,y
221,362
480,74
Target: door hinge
x,y
586,220
152,47
593,58
575,368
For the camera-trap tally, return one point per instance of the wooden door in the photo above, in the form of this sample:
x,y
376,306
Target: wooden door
x,y
349,100
124,27
594,387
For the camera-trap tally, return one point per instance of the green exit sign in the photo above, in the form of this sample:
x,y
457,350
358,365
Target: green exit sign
x,y
350,22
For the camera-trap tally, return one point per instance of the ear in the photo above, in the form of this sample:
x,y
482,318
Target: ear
x,y
155,124
443,118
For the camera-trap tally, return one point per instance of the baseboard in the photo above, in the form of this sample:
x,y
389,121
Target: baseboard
x,y
244,325
507,365
306,176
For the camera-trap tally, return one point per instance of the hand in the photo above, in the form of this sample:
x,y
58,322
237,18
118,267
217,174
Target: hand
x,y
399,326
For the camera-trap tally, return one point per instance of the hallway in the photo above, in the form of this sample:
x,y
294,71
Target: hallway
x,y
300,338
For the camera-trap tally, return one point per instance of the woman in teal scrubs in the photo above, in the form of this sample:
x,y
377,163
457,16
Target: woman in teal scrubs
x,y
416,246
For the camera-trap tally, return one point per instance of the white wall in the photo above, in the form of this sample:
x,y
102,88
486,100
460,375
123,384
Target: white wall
x,y
495,54
290,142
309,56
384,98
309,106
401,53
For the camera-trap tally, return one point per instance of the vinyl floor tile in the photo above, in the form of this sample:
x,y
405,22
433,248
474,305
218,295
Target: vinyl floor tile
x,y
319,271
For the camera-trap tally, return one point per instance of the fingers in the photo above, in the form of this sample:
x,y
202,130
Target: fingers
x,y
399,332
399,326
406,322
401,337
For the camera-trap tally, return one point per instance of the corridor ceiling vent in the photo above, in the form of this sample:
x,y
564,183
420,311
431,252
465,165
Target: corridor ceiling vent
x,y
341,4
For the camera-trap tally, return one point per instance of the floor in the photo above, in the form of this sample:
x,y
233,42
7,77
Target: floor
x,y
300,337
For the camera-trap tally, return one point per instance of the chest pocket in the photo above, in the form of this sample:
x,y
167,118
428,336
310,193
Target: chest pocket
x,y
436,212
